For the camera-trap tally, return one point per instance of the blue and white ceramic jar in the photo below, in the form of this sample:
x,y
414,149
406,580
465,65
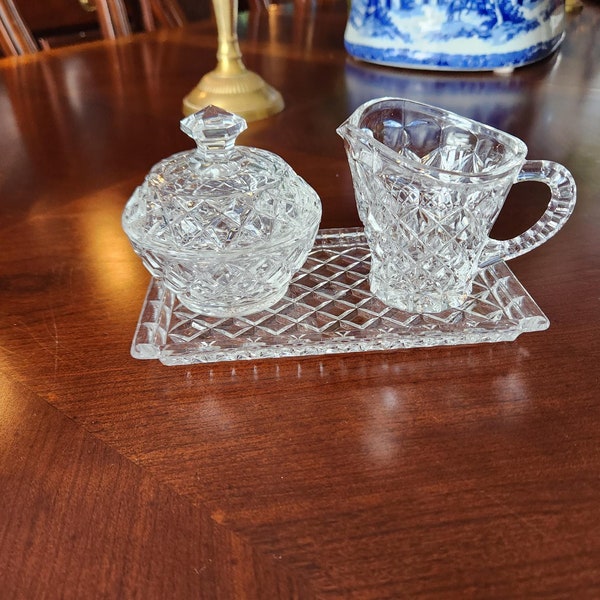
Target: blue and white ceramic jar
x,y
459,35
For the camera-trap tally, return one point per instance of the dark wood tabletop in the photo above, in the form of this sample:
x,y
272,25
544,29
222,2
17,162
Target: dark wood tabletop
x,y
448,472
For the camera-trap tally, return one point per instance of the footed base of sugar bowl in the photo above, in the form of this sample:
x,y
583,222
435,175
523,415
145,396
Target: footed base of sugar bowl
x,y
225,310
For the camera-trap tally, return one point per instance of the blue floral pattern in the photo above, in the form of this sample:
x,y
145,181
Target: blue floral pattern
x,y
452,33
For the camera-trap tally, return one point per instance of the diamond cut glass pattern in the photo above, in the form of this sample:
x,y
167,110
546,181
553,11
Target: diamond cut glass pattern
x,y
329,308
429,186
224,227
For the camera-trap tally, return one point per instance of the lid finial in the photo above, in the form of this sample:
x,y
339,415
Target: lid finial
x,y
214,131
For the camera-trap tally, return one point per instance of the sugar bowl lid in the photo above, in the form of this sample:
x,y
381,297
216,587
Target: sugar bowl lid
x,y
218,196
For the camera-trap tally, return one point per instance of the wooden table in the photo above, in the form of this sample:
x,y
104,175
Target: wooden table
x,y
451,472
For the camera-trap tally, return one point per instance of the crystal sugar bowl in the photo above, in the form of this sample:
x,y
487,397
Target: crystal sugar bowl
x,y
224,227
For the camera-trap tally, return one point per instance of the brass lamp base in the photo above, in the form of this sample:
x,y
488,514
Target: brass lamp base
x,y
231,86
244,93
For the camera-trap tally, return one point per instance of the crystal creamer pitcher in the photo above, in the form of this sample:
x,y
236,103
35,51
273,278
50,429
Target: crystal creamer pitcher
x,y
429,185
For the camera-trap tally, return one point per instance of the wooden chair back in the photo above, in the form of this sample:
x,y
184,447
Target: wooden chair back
x,y
112,18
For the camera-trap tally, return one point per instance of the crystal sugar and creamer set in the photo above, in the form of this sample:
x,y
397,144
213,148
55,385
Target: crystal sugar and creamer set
x,y
230,235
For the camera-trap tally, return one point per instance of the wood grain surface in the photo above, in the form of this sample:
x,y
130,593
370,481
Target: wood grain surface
x,y
463,472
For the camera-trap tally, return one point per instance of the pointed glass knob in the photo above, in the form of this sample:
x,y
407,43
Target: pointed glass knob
x,y
214,131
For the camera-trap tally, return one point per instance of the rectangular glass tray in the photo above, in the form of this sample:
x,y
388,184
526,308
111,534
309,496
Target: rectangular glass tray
x,y
330,309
